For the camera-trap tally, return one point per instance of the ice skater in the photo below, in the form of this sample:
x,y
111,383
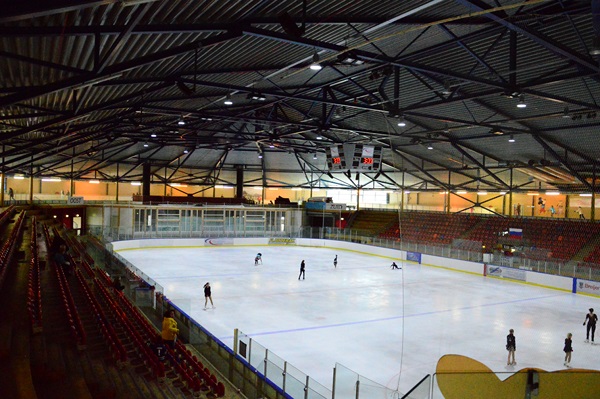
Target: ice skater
x,y
207,296
568,350
394,266
591,318
335,261
302,269
511,347
258,258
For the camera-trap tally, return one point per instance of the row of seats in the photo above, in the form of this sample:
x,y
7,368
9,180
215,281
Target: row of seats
x,y
34,289
6,253
125,323
195,374
139,332
559,239
115,345
192,373
430,227
70,308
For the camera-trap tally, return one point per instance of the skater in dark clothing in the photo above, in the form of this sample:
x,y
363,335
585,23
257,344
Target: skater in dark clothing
x,y
257,259
335,261
302,268
394,266
511,347
568,349
207,296
591,319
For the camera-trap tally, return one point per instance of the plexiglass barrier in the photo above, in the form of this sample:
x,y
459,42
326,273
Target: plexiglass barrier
x,y
349,384
290,379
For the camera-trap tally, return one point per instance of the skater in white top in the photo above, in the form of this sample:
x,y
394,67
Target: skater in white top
x,y
258,258
335,261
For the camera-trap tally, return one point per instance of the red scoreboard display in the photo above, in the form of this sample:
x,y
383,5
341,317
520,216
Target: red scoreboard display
x,y
354,157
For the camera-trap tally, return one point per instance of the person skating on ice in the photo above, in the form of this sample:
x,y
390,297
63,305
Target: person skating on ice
x,y
568,349
207,296
335,261
591,318
302,268
394,266
257,259
511,347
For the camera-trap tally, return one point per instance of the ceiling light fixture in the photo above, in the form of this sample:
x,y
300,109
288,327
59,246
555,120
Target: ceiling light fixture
x,y
186,151
429,147
18,177
181,122
94,181
401,122
315,66
521,103
256,96
145,144
153,135
227,100
315,155
511,139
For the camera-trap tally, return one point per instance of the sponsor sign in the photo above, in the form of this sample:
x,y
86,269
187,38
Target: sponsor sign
x,y
335,207
506,272
413,256
75,201
589,287
282,241
218,241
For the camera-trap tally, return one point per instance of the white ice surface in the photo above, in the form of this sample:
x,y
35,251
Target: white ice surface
x,y
390,326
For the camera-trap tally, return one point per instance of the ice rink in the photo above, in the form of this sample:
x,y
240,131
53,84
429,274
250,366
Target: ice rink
x,y
390,326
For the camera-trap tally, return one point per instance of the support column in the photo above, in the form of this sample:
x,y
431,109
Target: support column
x,y
72,185
117,185
239,183
593,207
358,192
146,179
510,195
2,188
31,187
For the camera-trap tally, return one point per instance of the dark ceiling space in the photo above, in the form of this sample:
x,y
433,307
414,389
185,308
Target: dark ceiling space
x,y
97,89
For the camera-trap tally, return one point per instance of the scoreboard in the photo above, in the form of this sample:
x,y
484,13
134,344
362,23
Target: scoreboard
x,y
354,157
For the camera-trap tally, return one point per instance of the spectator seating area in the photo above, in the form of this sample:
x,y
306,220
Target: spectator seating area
x,y
8,248
556,238
86,304
34,288
438,228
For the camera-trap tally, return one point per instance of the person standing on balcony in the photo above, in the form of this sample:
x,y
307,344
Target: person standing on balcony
x,y
590,319
580,212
